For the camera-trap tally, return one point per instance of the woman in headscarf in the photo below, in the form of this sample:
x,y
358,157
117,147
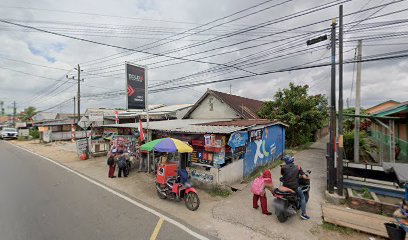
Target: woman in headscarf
x,y
266,179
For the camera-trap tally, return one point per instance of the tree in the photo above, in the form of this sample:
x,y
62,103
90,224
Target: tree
x,y
27,114
304,113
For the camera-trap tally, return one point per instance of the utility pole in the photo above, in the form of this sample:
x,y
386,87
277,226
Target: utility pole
x,y
358,103
1,108
330,155
340,148
78,68
79,93
74,108
14,113
230,88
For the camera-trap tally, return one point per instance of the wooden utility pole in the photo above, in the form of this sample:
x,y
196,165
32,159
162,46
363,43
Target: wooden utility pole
x,y
358,103
339,165
332,140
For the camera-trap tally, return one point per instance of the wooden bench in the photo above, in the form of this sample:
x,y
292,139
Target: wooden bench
x,y
354,219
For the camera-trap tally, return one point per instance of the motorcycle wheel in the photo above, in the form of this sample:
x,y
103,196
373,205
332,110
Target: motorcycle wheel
x,y
161,196
192,201
282,217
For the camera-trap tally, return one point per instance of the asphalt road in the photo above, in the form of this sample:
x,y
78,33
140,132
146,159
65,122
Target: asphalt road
x,y
41,200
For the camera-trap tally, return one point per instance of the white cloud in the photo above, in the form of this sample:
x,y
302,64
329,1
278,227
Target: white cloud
x,y
381,80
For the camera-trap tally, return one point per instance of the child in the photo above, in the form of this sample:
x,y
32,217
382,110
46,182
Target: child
x,y
267,184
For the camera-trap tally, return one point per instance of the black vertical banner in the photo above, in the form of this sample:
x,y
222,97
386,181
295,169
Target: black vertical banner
x,y
136,87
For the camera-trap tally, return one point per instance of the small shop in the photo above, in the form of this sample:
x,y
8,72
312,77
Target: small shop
x,y
223,152
60,131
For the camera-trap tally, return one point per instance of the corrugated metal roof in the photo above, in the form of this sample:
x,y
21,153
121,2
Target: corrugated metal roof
x,y
182,125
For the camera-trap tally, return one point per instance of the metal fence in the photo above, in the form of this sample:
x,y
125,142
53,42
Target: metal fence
x,y
384,143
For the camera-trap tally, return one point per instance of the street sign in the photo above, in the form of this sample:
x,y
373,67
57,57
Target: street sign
x,y
316,40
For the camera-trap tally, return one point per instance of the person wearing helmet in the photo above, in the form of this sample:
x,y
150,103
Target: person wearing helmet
x,y
291,174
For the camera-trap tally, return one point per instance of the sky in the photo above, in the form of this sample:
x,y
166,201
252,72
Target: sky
x,y
218,40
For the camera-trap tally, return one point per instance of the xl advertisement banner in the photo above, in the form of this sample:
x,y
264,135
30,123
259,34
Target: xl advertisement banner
x,y
136,87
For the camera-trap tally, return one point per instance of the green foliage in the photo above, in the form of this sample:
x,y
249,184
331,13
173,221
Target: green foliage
x,y
340,229
364,193
348,141
34,133
348,122
27,114
220,191
304,113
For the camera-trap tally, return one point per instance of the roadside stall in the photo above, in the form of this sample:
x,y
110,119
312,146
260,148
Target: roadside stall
x,y
172,180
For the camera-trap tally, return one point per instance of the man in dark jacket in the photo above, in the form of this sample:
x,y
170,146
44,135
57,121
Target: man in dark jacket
x,y
291,174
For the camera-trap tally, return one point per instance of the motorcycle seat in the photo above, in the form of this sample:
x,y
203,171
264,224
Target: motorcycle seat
x,y
283,191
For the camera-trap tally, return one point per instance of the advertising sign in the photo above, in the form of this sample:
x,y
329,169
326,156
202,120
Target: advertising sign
x,y
82,145
136,87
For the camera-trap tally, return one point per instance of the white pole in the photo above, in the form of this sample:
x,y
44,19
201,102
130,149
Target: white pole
x,y
358,103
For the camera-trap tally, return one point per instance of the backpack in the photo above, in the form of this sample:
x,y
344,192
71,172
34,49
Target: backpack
x,y
122,162
257,186
110,161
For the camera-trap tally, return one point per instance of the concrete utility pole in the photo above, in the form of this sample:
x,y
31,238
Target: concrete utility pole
x,y
1,108
339,162
74,108
358,103
79,93
332,140
14,113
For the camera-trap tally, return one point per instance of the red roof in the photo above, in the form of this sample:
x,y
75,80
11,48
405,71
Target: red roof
x,y
247,107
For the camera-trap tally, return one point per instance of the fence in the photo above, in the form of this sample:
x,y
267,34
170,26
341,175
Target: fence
x,y
383,141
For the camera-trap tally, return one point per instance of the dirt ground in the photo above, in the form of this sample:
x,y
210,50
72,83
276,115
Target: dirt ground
x,y
224,218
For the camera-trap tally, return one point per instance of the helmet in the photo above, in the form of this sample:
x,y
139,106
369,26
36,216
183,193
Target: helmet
x,y
288,159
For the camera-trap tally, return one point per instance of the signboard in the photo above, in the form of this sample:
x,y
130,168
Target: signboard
x,y
21,124
23,132
136,87
96,116
42,129
82,145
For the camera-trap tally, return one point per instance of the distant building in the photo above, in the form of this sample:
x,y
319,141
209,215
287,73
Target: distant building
x,y
381,106
219,105
44,116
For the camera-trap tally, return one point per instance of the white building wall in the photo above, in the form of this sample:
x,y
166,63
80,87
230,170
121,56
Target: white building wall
x,y
212,108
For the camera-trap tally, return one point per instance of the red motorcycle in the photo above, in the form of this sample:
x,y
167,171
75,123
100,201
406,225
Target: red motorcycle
x,y
174,185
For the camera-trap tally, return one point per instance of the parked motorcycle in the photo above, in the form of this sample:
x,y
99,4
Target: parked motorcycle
x,y
286,201
173,189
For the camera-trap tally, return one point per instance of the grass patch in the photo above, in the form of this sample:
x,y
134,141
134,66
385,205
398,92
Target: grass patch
x,y
335,228
364,193
220,191
258,172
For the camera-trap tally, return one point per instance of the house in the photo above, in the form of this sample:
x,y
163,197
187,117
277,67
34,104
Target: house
x,y
44,116
219,105
59,130
392,133
381,106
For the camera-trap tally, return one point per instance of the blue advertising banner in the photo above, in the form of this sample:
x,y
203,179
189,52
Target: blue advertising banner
x,y
238,139
266,149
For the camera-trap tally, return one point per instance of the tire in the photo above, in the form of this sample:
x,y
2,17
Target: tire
x,y
192,201
282,217
161,196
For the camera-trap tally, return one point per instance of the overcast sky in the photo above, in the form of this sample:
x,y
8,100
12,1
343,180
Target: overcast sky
x,y
33,64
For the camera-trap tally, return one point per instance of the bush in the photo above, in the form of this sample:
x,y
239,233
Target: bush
x,y
34,133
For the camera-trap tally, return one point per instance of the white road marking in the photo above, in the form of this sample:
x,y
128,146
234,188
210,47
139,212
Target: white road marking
x,y
166,218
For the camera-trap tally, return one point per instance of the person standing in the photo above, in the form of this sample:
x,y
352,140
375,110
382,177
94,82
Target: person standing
x,y
258,189
111,162
143,159
122,166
